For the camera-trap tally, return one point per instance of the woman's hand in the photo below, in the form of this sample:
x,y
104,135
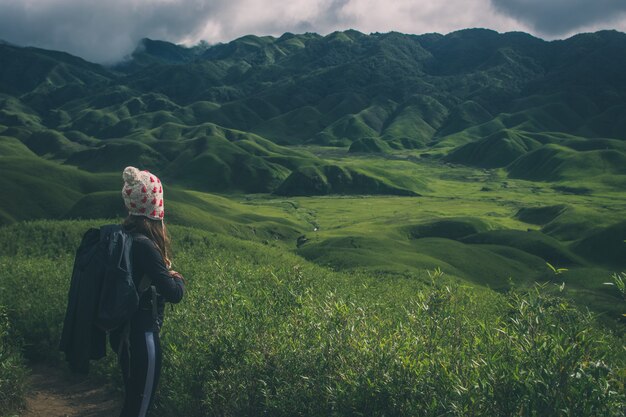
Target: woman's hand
x,y
177,275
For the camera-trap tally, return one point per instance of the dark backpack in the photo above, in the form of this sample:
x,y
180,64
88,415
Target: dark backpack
x,y
102,294
119,298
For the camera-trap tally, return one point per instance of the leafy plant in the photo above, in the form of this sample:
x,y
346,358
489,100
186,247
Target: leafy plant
x,y
435,274
555,270
619,281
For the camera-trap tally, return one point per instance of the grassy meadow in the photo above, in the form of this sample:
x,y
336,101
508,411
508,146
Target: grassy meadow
x,y
475,224
263,331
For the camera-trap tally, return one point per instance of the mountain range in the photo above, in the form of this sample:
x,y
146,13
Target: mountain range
x,y
258,114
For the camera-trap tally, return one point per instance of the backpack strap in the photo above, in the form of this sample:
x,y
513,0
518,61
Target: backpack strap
x,y
144,285
124,344
155,314
145,282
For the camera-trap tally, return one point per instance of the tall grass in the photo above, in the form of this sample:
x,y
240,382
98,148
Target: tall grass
x,y
262,332
12,369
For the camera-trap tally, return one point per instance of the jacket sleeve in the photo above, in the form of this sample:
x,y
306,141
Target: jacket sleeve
x,y
171,289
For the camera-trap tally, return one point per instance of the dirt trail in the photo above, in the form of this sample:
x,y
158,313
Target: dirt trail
x,y
57,393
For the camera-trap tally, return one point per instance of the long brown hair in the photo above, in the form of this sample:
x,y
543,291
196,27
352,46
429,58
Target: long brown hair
x,y
155,230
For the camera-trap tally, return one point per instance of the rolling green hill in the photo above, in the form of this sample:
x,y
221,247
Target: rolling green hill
x,y
484,154
482,98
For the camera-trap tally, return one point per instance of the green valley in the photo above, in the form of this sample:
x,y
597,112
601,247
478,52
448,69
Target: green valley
x,y
487,155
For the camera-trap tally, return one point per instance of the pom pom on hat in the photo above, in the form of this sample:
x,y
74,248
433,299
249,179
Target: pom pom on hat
x,y
135,193
131,175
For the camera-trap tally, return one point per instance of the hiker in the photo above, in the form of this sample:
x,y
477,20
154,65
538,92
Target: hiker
x,y
138,345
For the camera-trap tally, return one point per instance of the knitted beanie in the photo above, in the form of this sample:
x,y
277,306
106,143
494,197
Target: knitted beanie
x,y
143,193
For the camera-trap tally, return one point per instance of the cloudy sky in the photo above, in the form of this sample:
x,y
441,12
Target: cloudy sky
x,y
107,30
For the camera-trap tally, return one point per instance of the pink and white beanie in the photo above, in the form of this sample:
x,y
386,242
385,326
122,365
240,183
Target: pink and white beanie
x,y
143,193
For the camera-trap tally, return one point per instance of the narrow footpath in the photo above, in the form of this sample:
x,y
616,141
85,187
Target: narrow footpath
x,y
55,392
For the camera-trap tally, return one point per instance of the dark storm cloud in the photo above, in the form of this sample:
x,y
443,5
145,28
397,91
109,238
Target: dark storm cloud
x,y
105,31
558,17
101,31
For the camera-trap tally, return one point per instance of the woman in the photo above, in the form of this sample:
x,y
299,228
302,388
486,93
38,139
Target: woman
x,y
138,345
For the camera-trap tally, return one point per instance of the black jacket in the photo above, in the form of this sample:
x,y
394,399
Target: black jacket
x,y
81,339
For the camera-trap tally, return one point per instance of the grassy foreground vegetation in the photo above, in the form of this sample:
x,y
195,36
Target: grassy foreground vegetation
x,y
12,368
262,331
